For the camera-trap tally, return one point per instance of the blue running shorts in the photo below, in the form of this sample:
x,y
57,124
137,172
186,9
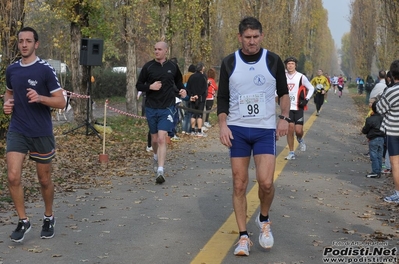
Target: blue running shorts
x,y
252,140
160,119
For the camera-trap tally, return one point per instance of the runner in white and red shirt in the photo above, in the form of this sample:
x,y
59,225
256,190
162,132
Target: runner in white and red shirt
x,y
300,91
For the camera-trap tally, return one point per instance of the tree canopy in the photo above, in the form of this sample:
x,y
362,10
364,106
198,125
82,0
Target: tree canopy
x,y
199,30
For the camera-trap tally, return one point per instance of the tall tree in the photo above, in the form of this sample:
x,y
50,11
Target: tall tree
x,y
80,75
86,19
12,15
133,15
188,28
363,35
206,30
387,32
346,61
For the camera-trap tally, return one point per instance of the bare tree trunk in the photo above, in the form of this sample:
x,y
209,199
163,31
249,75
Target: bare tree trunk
x,y
80,75
187,54
164,19
79,79
205,33
131,76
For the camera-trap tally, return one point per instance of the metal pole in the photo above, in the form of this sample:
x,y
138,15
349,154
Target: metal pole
x,y
88,100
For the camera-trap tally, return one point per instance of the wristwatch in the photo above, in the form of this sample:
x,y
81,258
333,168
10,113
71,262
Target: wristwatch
x,y
285,118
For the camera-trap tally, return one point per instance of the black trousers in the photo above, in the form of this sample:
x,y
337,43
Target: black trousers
x,y
208,106
318,100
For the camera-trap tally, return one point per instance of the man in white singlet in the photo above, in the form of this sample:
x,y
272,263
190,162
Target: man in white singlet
x,y
334,81
249,80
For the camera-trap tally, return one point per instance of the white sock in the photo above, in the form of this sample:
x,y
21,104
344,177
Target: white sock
x,y
155,157
160,169
49,217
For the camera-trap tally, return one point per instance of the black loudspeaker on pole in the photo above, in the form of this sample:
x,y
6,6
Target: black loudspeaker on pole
x,y
91,53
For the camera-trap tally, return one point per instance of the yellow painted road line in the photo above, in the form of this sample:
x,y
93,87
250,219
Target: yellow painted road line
x,y
216,249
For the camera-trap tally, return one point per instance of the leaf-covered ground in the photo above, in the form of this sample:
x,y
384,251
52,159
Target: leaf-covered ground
x,y
77,166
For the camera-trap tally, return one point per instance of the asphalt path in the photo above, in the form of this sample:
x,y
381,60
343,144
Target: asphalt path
x,y
321,198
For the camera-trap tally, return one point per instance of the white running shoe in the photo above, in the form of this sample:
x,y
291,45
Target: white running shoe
x,y
291,156
266,239
206,124
175,138
243,246
160,178
302,146
148,149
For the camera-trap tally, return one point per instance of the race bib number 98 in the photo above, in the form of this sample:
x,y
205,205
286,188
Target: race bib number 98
x,y
253,105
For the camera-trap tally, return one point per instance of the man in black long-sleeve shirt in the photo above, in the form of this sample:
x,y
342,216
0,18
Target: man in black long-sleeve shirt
x,y
161,80
197,88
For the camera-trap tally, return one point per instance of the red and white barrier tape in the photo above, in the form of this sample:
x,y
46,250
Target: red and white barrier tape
x,y
123,112
75,95
72,94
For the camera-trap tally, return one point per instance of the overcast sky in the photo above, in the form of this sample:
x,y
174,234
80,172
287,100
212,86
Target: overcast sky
x,y
338,18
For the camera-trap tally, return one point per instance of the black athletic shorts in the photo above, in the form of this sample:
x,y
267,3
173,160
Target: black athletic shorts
x,y
40,149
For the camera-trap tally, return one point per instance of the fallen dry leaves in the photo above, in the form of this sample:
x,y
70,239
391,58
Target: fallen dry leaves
x,y
77,166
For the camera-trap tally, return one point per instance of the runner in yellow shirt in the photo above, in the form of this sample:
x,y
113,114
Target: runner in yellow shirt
x,y
321,85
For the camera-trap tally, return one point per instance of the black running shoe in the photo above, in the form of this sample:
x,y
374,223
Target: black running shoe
x,y
373,175
18,234
47,228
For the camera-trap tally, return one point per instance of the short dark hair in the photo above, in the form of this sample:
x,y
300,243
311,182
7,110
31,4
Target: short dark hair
x,y
382,74
389,79
395,69
29,29
291,58
249,23
191,68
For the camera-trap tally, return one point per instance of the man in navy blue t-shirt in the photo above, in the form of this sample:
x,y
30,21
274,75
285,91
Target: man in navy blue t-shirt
x,y
32,89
